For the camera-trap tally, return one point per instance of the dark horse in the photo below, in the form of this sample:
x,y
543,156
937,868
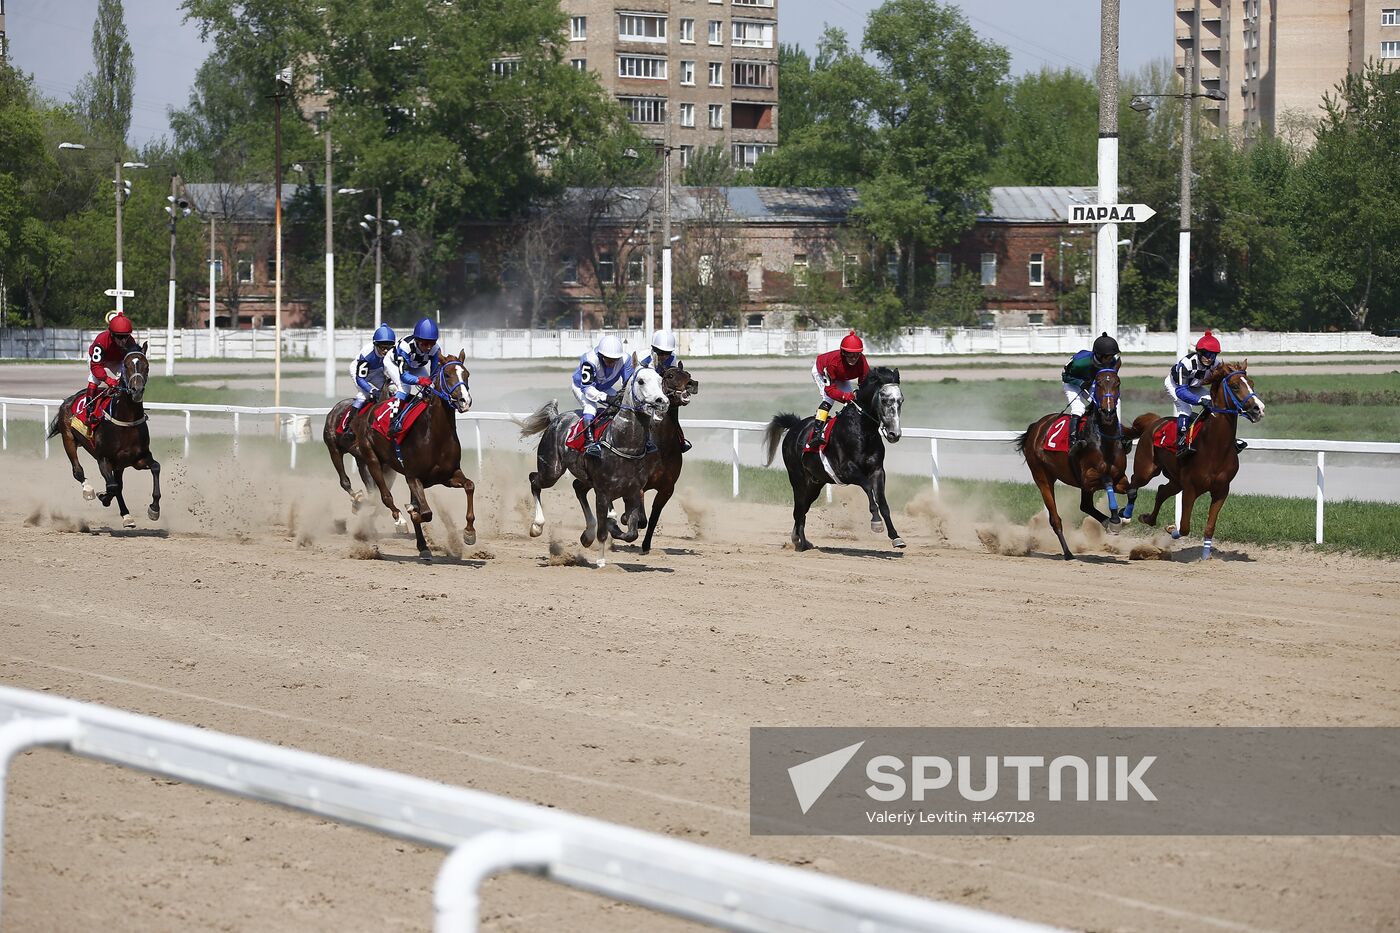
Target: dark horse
x,y
1099,462
431,452
666,461
855,452
1215,462
348,443
121,439
622,471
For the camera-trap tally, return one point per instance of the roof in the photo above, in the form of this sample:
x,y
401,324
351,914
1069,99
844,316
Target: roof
x,y
238,200
1035,205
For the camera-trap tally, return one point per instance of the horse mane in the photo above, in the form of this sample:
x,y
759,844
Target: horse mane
x,y
878,378
1222,370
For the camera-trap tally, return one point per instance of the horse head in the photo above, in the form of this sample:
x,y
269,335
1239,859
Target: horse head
x,y
452,379
136,369
1231,392
646,392
679,386
881,399
1106,390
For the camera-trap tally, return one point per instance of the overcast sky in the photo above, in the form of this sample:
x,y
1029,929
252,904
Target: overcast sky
x,y
51,39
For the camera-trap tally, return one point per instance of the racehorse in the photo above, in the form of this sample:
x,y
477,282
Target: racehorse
x,y
622,471
121,439
1211,467
854,455
1101,462
430,453
666,461
339,444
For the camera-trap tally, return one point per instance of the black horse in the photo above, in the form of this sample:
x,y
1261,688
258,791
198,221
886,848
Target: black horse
x,y
854,455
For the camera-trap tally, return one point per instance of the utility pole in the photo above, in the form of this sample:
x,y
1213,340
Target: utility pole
x,y
651,277
1106,316
1183,260
330,267
177,207
378,258
666,233
277,249
213,335
121,196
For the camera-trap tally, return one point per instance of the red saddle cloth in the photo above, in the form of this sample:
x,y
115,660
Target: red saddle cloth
x,y
1165,435
1057,436
87,410
383,415
824,432
574,440
344,424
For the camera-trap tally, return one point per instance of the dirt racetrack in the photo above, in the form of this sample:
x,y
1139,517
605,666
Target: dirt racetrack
x,y
255,608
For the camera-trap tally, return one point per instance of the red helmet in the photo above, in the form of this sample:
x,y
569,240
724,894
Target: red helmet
x,y
852,344
1208,343
119,324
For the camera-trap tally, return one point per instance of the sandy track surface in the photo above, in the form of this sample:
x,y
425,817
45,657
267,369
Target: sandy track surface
x,y
628,693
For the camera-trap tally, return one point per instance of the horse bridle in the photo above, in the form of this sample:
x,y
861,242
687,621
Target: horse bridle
x,y
1099,401
1237,402
440,376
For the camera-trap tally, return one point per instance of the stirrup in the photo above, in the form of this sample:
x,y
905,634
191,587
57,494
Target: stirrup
x,y
595,449
1240,445
651,447
685,445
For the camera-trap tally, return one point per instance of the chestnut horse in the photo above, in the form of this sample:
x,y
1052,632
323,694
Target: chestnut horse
x,y
1211,467
121,439
1101,461
430,455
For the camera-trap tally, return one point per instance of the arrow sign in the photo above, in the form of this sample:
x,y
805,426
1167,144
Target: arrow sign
x,y
119,293
1109,213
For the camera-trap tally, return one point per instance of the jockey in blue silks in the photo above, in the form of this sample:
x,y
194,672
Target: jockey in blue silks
x,y
368,368
602,372
410,365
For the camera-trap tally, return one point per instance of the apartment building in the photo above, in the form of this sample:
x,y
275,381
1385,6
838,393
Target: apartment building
x,y
690,73
1275,59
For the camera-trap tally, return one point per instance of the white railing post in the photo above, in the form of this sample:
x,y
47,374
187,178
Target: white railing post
x,y
15,737
44,427
1321,459
235,435
457,890
933,458
187,434
476,425
292,430
736,462
4,427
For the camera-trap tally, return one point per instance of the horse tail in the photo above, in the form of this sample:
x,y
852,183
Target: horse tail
x,y
782,422
536,423
1024,438
1139,426
54,424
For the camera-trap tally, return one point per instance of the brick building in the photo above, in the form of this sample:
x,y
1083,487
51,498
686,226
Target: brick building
x,y
689,73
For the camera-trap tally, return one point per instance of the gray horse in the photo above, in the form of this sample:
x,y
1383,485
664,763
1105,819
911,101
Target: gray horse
x,y
621,472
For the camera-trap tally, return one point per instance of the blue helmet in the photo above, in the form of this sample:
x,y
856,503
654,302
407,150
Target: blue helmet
x,y
426,329
385,334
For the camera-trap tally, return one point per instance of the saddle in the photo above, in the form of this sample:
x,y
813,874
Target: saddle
x,y
383,416
815,445
575,439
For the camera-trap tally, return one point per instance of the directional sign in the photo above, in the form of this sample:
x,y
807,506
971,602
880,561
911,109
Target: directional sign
x,y
119,293
1109,213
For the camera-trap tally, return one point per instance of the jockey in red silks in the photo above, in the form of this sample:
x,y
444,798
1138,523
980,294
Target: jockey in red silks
x,y
837,374
105,355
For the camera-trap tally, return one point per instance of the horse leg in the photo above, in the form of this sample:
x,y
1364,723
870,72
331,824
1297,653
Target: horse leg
x,y
150,463
419,512
663,495
1217,499
602,502
70,447
590,524
460,481
1189,495
376,470
884,504
1046,484
1086,505
1164,492
116,485
338,461
802,498
632,512
548,469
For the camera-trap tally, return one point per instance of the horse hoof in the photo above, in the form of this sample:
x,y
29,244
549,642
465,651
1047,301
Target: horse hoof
x,y
128,521
600,563
1069,556
898,543
1174,532
425,556
89,493
536,529
469,538
877,527
153,513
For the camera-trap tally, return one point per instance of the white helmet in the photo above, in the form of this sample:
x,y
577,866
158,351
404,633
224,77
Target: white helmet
x,y
664,340
611,347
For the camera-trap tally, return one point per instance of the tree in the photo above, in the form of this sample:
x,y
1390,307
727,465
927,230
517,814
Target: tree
x,y
1050,129
104,96
710,275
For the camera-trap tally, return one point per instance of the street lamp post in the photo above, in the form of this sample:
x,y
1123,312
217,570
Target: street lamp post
x,y
177,207
122,191
377,231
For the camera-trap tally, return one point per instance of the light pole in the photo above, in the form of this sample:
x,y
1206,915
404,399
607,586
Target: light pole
x,y
1106,315
122,192
177,207
284,81
377,231
213,335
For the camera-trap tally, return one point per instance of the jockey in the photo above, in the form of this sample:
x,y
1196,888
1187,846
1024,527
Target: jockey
x,y
837,374
663,357
602,372
106,352
1078,375
410,364
368,368
1184,383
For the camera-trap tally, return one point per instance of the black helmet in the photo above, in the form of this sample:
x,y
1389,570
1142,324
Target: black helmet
x,y
1105,347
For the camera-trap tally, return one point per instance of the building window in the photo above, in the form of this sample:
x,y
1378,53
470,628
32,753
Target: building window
x,y
641,66
687,33
688,73
636,270
753,34
578,28
763,3
1035,318
755,273
716,32
707,269
1037,269
687,114
799,270
471,266
747,154
892,266
752,74
505,67
272,269
686,153
1390,17
579,64
218,270
639,27
989,268
569,272
716,116
943,271
850,270
1390,50
644,109
716,74
607,271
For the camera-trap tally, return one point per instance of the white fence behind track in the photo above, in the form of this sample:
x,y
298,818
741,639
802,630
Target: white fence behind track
x,y
299,428
484,833
72,344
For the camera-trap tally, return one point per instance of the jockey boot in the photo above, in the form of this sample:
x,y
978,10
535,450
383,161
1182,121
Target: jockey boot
x,y
397,422
823,415
591,445
1073,432
1240,445
1183,424
685,444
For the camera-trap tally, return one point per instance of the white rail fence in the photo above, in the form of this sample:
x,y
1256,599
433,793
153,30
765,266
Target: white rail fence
x,y
300,430
483,833
72,343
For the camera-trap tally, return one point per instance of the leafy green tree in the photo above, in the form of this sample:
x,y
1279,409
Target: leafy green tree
x,y
1050,130
104,96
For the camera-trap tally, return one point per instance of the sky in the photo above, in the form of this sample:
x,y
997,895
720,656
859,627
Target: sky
x,y
52,40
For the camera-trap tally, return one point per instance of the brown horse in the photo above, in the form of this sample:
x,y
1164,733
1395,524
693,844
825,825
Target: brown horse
x,y
1099,462
430,455
348,443
120,440
667,461
1215,462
